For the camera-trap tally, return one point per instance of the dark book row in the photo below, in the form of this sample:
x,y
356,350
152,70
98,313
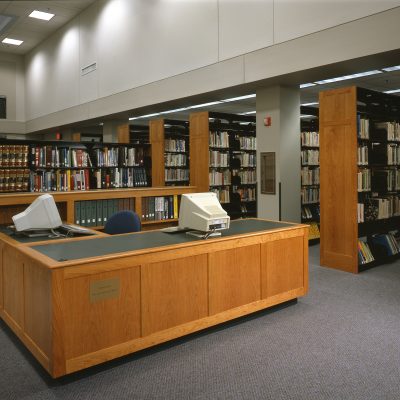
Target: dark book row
x,y
160,208
377,247
97,212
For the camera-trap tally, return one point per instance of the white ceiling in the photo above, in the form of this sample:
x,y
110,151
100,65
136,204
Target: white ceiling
x,y
31,30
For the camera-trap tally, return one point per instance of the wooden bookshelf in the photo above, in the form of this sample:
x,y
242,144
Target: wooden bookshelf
x,y
13,203
350,203
237,202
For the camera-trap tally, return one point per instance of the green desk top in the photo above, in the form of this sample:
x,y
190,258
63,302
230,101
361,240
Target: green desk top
x,y
144,240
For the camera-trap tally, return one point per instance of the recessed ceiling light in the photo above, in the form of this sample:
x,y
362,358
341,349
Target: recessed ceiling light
x,y
249,96
310,104
173,111
392,91
304,85
346,77
41,15
15,42
212,103
144,116
389,69
307,116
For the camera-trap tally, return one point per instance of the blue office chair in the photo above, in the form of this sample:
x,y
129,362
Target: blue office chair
x,y
123,222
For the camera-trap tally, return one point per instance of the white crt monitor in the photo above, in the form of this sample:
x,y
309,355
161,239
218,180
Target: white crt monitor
x,y
41,214
202,212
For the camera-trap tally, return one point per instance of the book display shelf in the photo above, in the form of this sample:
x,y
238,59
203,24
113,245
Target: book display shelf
x,y
310,206
360,178
226,164
89,181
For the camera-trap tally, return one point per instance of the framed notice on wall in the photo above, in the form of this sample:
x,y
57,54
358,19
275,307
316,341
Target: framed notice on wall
x,y
268,179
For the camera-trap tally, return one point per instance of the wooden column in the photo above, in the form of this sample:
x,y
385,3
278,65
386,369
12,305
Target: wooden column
x,y
157,152
199,154
123,133
338,178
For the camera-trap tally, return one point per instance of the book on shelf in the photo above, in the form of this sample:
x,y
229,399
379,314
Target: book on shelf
x,y
387,130
218,159
97,212
310,157
313,232
219,139
309,176
364,253
364,180
384,245
362,154
159,208
362,127
309,139
175,160
223,194
175,145
309,195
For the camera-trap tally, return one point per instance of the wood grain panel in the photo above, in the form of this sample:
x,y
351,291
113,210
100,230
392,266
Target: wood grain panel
x,y
1,275
234,278
90,326
13,285
156,135
123,133
37,305
198,148
282,266
338,179
173,293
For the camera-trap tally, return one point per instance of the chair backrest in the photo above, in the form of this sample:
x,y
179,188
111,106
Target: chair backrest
x,y
123,222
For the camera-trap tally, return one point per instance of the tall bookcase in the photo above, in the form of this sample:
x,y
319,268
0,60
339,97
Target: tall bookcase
x,y
360,180
170,142
309,140
223,159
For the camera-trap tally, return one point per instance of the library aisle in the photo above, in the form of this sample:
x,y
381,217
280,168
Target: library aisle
x,y
339,342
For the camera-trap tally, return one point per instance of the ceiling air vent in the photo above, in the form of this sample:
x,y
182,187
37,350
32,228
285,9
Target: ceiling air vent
x,y
88,69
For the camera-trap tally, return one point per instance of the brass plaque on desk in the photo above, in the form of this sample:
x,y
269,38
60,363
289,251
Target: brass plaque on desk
x,y
104,289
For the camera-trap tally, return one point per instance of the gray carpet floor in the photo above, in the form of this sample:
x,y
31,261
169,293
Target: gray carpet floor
x,y
342,341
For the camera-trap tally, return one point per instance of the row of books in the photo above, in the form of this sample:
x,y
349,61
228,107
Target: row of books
x,y
246,210
219,159
14,180
60,180
219,139
385,180
160,208
374,208
309,195
246,194
386,154
248,142
13,155
127,177
218,178
175,145
175,160
308,212
364,253
246,159
247,177
310,139
118,156
97,212
310,157
362,155
386,131
176,174
364,180
313,231
384,244
309,176
59,157
362,127
222,194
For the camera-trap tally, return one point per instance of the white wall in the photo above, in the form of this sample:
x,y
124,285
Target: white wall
x,y
149,52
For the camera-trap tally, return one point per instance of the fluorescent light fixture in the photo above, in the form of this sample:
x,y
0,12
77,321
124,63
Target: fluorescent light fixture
x,y
15,42
346,77
249,96
392,91
144,116
389,69
310,104
41,15
212,103
248,113
304,85
307,116
173,111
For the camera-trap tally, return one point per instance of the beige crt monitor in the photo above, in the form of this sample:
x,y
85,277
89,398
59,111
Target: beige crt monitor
x,y
202,212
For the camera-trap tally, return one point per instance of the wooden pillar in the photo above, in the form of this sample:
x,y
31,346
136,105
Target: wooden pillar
x,y
157,138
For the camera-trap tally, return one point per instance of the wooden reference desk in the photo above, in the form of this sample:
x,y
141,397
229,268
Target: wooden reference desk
x,y
79,302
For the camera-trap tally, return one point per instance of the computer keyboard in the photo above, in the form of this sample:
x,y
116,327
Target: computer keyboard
x,y
74,229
